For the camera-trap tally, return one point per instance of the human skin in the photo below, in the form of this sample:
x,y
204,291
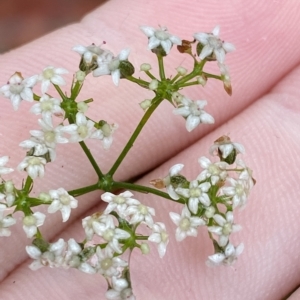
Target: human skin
x,y
262,114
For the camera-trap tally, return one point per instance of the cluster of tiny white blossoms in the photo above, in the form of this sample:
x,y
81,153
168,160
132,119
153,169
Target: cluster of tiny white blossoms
x,y
105,242
111,235
211,198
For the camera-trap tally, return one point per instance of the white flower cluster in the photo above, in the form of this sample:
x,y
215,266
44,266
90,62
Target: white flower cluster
x,y
219,184
18,88
208,200
104,242
89,259
160,37
105,63
42,143
135,212
7,198
193,112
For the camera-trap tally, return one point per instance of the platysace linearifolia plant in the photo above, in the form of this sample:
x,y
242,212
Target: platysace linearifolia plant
x,y
209,200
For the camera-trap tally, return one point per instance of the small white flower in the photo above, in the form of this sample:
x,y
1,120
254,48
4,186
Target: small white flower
x,y
187,225
139,212
36,254
238,190
160,37
53,257
6,222
225,146
160,236
51,75
104,227
108,265
34,166
4,170
62,201
9,194
111,236
112,66
58,249
104,133
18,89
225,75
227,258
91,53
71,256
246,174
47,107
174,171
87,224
81,130
38,148
213,45
120,290
87,268
49,135
215,171
116,202
196,193
30,223
225,228
193,112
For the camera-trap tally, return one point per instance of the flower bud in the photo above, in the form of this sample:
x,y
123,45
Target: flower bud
x,y
126,68
45,197
159,51
226,150
145,67
82,107
177,181
145,249
80,76
153,85
29,221
202,80
145,104
210,212
9,186
181,71
177,97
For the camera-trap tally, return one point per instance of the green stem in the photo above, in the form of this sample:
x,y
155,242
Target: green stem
x,y
212,76
76,90
140,82
62,95
198,67
190,84
84,190
144,189
91,159
155,102
175,78
150,75
28,184
161,67
141,238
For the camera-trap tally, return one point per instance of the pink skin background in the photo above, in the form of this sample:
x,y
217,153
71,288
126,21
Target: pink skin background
x,y
262,114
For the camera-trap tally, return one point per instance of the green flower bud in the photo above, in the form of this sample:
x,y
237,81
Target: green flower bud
x,y
126,68
145,248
